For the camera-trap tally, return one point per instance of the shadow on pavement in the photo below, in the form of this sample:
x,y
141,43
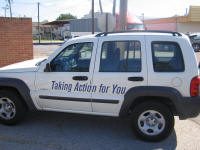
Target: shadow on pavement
x,y
50,130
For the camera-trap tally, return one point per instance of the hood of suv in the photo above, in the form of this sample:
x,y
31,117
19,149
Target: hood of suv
x,y
25,66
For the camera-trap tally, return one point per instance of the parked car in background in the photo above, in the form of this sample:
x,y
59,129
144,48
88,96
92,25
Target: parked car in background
x,y
67,37
195,40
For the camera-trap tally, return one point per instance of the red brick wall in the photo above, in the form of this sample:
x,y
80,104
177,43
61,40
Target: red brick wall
x,y
15,40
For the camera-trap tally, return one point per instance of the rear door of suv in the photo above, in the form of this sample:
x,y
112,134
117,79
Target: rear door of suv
x,y
120,65
170,62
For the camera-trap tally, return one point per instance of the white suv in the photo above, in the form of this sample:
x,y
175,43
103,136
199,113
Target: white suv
x,y
150,76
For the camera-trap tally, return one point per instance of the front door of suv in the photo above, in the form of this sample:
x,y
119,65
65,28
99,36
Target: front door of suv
x,y
65,87
120,65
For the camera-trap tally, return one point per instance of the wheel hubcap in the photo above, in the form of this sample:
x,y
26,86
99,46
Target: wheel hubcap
x,y
7,108
151,122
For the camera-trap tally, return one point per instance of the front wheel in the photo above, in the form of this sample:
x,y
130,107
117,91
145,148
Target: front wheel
x,y
12,110
152,121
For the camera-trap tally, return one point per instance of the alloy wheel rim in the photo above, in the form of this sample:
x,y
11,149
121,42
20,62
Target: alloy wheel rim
x,y
7,108
151,122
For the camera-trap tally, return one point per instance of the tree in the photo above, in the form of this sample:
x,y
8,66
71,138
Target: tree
x,y
66,16
9,4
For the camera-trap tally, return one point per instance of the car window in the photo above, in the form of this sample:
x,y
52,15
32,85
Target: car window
x,y
74,58
120,56
167,57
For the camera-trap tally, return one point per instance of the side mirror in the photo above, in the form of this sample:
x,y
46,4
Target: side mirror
x,y
47,68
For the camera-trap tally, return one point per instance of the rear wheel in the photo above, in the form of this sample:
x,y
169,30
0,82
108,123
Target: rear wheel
x,y
12,109
152,121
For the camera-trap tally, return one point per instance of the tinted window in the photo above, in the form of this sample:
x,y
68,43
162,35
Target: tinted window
x,y
121,56
74,58
167,57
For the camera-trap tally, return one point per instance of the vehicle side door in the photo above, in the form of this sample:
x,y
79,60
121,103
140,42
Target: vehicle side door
x,y
168,62
120,65
65,86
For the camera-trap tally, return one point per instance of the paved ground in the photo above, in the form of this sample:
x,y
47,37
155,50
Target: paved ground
x,y
44,50
198,56
196,120
60,131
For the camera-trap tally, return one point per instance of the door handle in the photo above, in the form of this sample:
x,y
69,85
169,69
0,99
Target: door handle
x,y
135,79
80,78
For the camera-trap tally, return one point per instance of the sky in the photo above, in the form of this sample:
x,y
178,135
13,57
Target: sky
x,y
51,9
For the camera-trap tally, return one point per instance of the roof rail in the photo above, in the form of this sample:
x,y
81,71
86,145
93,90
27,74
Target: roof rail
x,y
140,31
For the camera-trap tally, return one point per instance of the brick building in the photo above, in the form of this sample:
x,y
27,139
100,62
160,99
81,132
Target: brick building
x,y
15,40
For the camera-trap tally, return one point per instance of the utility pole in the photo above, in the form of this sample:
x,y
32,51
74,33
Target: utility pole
x,y
100,5
39,22
5,9
123,14
143,20
114,7
92,16
9,2
106,22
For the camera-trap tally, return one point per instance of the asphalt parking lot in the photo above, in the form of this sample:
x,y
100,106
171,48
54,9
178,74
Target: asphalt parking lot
x,y
62,131
44,50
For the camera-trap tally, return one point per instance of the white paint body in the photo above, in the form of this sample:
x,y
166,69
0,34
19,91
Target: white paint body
x,y
40,82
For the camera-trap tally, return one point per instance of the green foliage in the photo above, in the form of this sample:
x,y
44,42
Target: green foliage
x,y
66,16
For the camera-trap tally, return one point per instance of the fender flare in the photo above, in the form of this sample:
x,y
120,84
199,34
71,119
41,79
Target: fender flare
x,y
21,87
151,91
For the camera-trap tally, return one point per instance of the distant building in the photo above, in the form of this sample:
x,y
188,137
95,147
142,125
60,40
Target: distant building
x,y
88,16
63,29
54,30
79,27
60,28
83,26
45,30
188,23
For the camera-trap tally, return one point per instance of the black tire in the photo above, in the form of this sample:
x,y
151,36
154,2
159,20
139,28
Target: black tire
x,y
158,107
20,109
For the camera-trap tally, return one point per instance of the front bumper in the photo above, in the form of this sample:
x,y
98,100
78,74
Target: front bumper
x,y
188,107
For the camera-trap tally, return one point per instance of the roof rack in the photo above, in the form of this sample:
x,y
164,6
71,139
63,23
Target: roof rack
x,y
140,31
